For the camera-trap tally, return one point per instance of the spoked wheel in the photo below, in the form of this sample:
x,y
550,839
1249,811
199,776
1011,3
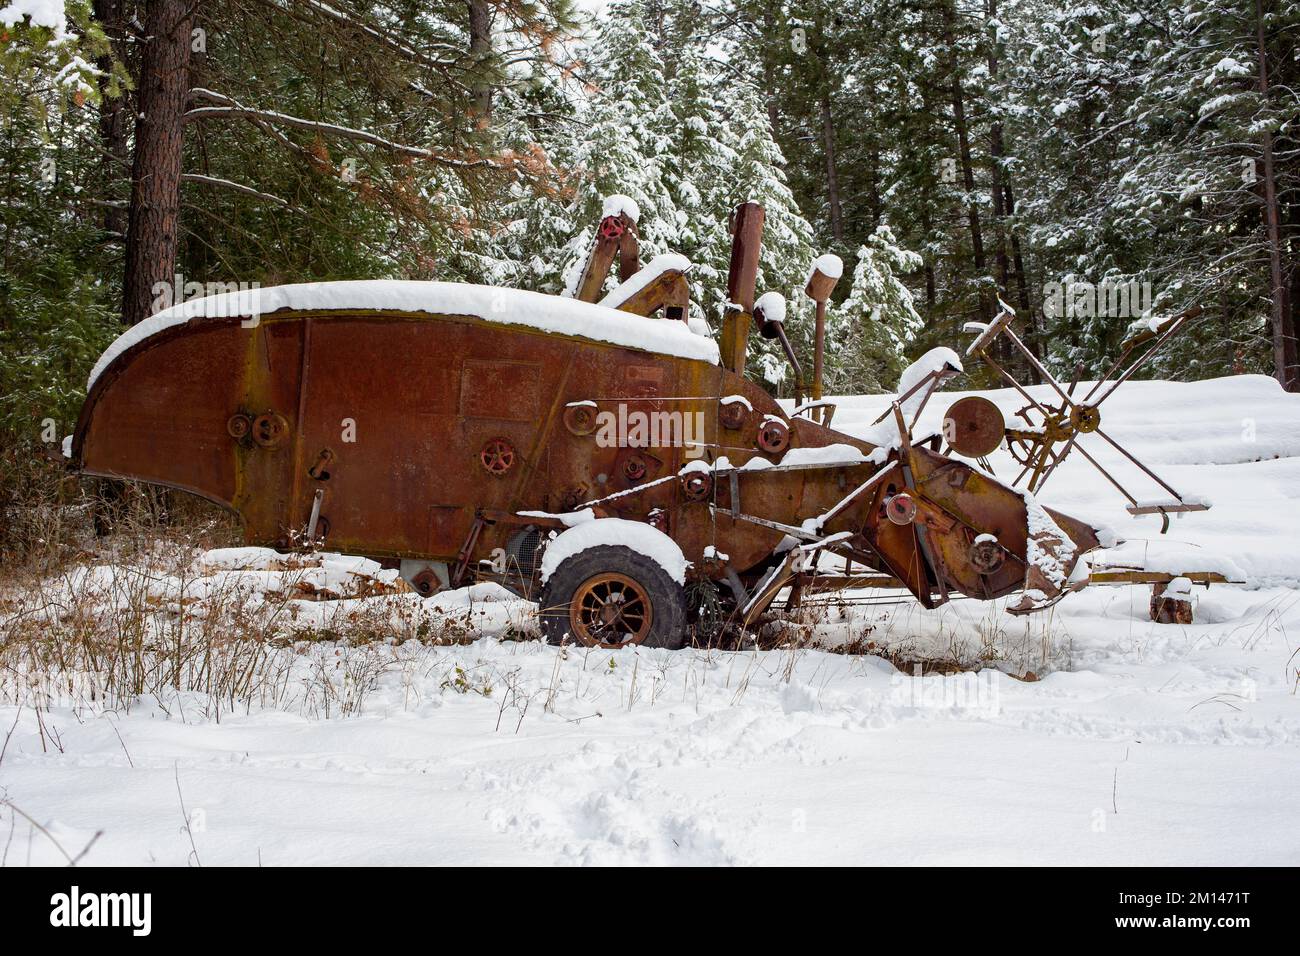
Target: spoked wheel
x,y
610,610
611,596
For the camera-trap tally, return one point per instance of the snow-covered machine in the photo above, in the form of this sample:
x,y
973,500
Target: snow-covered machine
x,y
604,455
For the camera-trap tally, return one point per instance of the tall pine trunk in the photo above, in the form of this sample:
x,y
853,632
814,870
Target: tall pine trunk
x,y
996,153
967,167
1003,207
832,172
154,227
113,112
480,51
1285,364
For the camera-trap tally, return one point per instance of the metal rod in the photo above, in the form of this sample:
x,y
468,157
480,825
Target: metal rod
x,y
1051,379
1016,385
1078,373
1109,372
315,514
819,348
857,491
908,394
1158,480
1057,459
1084,452
775,526
1040,462
794,360
1174,326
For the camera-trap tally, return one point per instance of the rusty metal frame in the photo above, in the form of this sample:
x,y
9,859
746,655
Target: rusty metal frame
x,y
1040,452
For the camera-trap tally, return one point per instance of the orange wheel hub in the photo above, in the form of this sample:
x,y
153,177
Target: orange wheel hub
x,y
610,610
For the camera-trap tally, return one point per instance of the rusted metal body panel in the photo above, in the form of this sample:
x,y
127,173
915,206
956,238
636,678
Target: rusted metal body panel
x,y
424,436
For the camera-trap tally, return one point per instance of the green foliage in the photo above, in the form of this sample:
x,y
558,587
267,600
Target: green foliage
x,y
57,295
868,334
51,67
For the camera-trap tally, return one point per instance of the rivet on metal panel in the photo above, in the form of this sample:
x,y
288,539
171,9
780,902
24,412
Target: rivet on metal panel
x,y
634,468
239,426
580,419
697,486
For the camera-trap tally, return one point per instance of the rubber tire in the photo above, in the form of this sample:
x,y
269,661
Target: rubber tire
x,y
667,597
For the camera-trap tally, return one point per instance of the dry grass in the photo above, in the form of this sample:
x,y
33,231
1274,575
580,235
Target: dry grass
x,y
102,621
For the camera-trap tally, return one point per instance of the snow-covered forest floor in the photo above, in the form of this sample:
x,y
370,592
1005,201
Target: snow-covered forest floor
x,y
444,732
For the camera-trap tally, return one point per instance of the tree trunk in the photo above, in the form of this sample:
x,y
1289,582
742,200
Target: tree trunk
x,y
832,176
112,119
967,168
1034,338
771,37
154,228
931,286
873,189
480,51
1285,363
996,153
1293,297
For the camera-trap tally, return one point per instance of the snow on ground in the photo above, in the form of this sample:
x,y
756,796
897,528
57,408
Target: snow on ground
x,y
1137,743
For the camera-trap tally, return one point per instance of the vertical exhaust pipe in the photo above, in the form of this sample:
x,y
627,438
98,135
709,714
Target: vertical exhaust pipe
x,y
826,271
746,243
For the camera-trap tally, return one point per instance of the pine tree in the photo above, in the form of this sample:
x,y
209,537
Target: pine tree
x,y
704,157
625,135
868,334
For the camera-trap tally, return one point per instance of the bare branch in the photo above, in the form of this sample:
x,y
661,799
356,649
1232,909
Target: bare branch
x,y
237,187
231,108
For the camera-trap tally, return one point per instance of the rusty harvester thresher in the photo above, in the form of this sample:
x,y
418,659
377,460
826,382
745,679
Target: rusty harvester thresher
x,y
464,432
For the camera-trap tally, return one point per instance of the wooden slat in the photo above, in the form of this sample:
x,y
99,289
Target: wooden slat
x,y
1133,576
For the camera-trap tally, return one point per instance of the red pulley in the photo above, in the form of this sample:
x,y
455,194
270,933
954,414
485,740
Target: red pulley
x,y
635,468
611,227
900,508
497,457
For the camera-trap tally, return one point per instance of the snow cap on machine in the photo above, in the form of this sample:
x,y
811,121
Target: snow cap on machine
x,y
829,265
547,313
619,204
772,306
639,537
